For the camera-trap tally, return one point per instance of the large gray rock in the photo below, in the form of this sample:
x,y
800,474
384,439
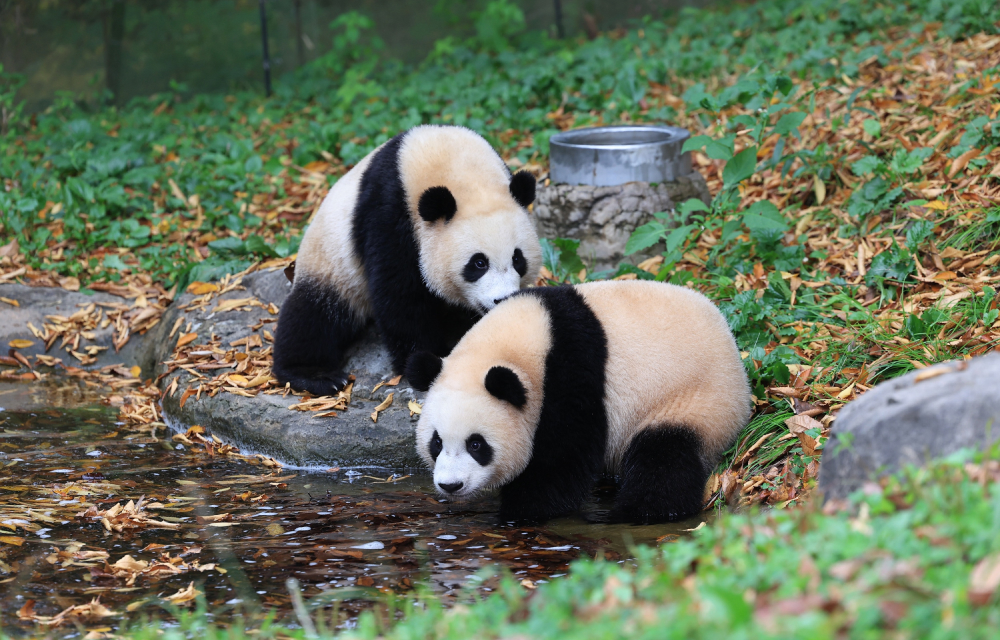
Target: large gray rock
x,y
603,218
910,420
264,424
35,303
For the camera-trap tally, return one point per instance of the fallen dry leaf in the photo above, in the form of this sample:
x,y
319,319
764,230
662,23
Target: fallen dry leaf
x,y
187,339
385,404
184,595
20,343
984,580
930,372
201,288
801,423
92,610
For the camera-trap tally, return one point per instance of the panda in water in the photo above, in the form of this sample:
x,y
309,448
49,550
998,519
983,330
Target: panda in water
x,y
642,380
424,235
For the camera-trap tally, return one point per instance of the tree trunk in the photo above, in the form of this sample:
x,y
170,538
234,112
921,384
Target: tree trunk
x,y
267,54
299,41
114,34
559,19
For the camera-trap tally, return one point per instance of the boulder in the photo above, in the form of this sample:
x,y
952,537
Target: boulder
x,y
925,414
264,424
603,218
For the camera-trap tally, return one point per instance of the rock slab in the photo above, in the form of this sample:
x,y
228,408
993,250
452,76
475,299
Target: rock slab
x,y
34,303
926,414
603,218
264,424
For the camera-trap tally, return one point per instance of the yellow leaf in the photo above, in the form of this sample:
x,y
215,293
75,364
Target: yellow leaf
x,y
259,380
945,275
385,404
10,301
414,407
237,379
17,541
186,339
201,288
20,343
846,392
937,205
135,371
819,189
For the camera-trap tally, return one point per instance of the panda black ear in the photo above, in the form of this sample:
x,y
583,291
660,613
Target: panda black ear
x,y
522,187
504,384
437,203
422,368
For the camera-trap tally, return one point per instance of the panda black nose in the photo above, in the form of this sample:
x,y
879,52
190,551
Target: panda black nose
x,y
450,487
497,300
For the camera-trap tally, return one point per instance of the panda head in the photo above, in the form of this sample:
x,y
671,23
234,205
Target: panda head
x,y
476,429
477,243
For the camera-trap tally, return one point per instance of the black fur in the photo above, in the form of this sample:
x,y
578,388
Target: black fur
x,y
662,477
437,203
522,187
519,263
434,446
422,368
479,449
572,431
314,329
477,267
502,383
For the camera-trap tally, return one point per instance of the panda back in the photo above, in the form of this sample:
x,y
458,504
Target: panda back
x,y
327,254
671,360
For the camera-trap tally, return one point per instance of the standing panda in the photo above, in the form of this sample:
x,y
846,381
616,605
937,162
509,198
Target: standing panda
x,y
424,235
640,379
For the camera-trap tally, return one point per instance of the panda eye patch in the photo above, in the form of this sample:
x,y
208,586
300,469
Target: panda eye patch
x,y
479,449
476,267
520,264
435,446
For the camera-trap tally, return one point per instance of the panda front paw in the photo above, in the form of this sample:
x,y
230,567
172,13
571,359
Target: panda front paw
x,y
326,383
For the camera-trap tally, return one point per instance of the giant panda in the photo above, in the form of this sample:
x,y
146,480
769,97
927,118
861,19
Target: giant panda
x,y
424,235
642,380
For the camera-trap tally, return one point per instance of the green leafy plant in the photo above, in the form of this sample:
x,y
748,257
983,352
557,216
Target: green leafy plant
x,y
10,108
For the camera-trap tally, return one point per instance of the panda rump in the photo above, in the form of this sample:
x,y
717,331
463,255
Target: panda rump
x,y
422,236
639,380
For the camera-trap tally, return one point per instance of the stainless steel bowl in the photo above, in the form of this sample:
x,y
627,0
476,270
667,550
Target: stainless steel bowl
x,y
608,156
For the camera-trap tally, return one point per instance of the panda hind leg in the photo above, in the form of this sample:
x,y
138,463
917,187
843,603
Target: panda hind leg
x,y
662,477
315,328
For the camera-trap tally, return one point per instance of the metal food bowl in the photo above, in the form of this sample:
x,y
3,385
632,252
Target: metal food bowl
x,y
608,156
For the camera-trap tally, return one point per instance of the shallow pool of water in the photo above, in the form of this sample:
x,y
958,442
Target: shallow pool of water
x,y
236,530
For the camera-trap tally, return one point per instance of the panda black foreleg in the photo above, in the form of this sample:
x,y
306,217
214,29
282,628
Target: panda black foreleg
x,y
557,481
315,328
423,327
662,477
